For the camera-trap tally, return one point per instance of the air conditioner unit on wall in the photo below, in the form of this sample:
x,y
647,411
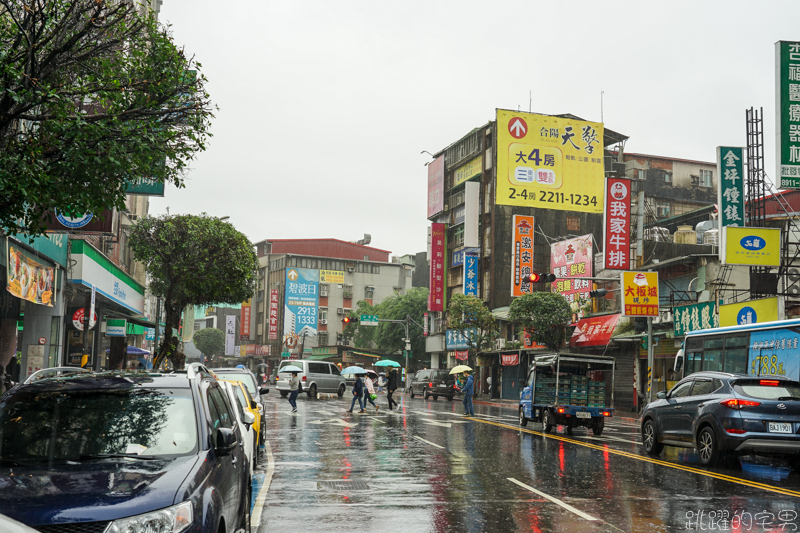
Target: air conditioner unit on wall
x,y
339,311
351,269
323,321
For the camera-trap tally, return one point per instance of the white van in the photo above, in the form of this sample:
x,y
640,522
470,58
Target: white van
x,y
317,376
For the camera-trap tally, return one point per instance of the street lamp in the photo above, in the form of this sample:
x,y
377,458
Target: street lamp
x,y
223,219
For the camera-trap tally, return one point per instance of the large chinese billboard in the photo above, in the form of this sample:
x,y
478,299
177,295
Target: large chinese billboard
x,y
436,296
301,301
617,225
787,108
571,259
549,162
521,254
639,293
274,301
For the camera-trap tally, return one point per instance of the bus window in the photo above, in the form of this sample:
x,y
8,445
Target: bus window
x,y
694,362
736,351
712,355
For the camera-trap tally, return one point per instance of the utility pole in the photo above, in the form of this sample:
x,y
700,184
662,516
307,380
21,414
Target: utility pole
x,y
407,339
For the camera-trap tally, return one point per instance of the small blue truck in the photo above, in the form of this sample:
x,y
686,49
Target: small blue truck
x,y
573,390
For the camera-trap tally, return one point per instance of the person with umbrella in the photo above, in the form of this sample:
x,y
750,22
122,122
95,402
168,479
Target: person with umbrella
x,y
391,386
468,390
294,387
358,393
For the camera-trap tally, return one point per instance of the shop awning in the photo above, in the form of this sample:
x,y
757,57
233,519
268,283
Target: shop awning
x,y
366,354
594,331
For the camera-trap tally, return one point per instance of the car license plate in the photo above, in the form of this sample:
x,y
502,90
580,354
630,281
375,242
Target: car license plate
x,y
583,414
779,427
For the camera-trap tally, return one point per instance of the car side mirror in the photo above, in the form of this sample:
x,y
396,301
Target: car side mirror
x,y
661,395
226,441
263,390
249,418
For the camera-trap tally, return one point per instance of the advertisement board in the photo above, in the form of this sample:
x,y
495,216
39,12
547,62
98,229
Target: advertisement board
x,y
787,109
230,335
774,353
470,169
751,246
301,302
471,274
116,327
640,293
145,187
246,314
436,296
749,312
549,162
436,186
617,225
331,276
274,302
573,258
521,254
83,223
686,318
730,193
27,278
456,340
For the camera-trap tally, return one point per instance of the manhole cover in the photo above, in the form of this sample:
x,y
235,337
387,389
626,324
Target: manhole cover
x,y
342,485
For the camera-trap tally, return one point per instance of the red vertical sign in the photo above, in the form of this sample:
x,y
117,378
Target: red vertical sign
x,y
273,314
617,238
244,332
521,254
436,296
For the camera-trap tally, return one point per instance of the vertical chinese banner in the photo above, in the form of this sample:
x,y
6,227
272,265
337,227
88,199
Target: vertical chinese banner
x,y
436,186
436,298
424,324
787,108
573,258
521,254
244,331
274,300
230,335
471,273
617,224
639,293
730,193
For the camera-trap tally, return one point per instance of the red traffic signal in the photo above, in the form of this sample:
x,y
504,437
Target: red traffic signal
x,y
539,278
349,320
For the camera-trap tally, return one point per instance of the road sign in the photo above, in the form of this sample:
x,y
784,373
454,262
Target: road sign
x,y
369,320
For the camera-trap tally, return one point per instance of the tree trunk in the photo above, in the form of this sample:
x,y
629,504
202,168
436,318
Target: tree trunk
x,y
117,353
169,346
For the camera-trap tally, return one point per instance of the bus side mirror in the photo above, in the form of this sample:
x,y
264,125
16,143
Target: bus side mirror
x,y
678,361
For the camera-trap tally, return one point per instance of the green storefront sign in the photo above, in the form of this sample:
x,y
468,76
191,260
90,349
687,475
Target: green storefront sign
x,y
145,187
688,318
730,194
787,107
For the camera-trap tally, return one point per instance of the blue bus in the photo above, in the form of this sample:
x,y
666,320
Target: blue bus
x,y
761,349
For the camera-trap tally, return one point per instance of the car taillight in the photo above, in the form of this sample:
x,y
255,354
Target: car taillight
x,y
305,378
606,413
735,403
736,431
560,409
769,382
430,384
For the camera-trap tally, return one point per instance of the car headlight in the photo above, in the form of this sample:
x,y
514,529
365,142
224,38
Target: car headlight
x,y
170,520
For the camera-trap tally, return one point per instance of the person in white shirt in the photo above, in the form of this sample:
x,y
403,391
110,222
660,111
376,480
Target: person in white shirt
x,y
370,391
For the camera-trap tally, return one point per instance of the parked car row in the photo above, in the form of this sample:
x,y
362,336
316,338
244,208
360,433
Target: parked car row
x,y
726,415
120,451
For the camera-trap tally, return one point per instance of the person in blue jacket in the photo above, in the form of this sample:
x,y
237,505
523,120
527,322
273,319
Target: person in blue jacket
x,y
358,394
468,390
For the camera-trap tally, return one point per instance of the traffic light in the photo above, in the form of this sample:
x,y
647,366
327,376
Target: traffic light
x,y
349,320
539,278
598,293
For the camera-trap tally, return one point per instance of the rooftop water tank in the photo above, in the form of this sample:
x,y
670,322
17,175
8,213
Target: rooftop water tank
x,y
685,235
711,237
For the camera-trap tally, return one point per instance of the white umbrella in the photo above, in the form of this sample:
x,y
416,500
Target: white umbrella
x,y
459,369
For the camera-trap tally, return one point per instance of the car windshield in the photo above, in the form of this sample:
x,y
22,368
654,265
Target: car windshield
x,y
769,390
444,376
245,377
75,425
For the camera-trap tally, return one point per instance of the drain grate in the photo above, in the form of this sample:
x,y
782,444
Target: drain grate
x,y
343,485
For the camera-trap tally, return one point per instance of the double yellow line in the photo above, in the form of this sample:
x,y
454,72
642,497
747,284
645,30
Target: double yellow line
x,y
605,448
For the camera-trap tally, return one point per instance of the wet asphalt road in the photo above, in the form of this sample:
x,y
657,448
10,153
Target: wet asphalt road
x,y
426,468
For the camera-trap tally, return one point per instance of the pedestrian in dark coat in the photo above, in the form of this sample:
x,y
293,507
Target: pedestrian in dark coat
x,y
391,386
358,394
468,391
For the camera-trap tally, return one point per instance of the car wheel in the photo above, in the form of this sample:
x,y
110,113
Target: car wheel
x,y
435,397
312,391
547,421
597,427
650,438
411,391
341,390
707,447
522,420
284,393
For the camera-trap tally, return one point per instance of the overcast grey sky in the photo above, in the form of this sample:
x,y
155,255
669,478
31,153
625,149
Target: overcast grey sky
x,y
325,106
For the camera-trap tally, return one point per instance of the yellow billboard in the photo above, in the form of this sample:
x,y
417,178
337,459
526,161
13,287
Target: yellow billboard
x,y
750,312
752,246
331,276
549,162
639,293
468,170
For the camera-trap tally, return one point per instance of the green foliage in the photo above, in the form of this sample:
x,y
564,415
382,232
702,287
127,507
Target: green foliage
x,y
544,315
469,315
92,95
363,336
210,341
191,259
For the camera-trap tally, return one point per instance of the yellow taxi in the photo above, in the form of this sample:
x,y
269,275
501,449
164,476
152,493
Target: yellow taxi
x,y
249,404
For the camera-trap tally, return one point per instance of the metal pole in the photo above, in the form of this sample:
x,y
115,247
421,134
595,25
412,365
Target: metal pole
x,y
649,358
87,315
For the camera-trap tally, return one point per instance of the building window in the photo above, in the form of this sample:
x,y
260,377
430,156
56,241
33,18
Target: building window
x,y
706,176
376,269
322,338
668,177
369,292
347,291
323,313
642,175
662,210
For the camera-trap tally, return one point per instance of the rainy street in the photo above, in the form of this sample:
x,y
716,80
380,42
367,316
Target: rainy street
x,y
425,467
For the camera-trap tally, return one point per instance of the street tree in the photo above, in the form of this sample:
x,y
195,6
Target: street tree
x,y
192,260
93,95
545,316
390,337
469,315
364,336
210,341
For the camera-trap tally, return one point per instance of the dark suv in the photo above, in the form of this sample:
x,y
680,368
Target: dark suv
x,y
433,382
115,452
726,414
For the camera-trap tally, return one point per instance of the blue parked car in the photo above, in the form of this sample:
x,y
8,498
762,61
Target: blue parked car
x,y
724,414
117,452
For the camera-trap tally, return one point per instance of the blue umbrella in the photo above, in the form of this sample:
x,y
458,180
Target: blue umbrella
x,y
354,370
387,362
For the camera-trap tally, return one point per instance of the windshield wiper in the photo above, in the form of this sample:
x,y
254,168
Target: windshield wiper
x,y
117,456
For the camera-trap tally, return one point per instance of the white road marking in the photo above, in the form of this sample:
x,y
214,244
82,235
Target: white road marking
x,y
566,506
334,422
255,518
429,442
